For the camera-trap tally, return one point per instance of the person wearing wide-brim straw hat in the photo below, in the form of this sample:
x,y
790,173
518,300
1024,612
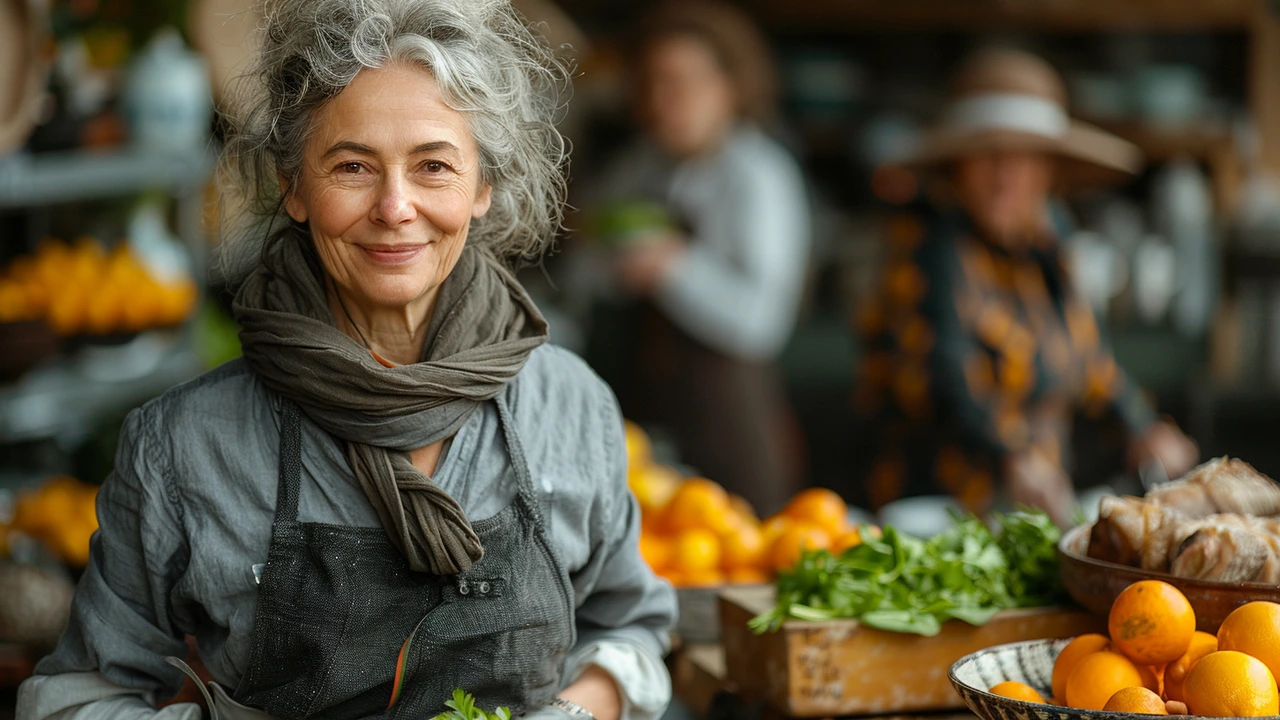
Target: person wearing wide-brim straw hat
x,y
1008,100
978,351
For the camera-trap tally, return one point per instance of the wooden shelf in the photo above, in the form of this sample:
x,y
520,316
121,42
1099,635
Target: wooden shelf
x,y
1031,15
49,178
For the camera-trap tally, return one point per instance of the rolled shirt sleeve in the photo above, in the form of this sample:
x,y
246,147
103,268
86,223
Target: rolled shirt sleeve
x,y
109,663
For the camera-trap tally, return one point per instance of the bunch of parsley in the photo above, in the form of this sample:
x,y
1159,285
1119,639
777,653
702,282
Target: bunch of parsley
x,y
463,707
905,584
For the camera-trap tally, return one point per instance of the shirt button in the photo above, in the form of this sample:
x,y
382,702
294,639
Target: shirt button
x,y
464,588
484,587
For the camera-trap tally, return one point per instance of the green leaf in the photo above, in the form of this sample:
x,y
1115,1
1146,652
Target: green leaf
x,y
903,621
976,616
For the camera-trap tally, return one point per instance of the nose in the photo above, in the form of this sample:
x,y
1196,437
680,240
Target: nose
x,y
393,205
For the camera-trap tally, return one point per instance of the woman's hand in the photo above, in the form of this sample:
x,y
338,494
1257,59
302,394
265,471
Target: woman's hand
x,y
642,266
1033,479
1163,441
596,691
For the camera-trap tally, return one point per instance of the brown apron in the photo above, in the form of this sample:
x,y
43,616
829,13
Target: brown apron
x,y
730,416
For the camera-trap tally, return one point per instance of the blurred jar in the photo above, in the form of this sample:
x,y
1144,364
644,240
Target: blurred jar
x,y
167,98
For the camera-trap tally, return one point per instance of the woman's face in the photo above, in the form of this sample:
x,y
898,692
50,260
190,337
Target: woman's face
x,y
687,100
1005,193
390,182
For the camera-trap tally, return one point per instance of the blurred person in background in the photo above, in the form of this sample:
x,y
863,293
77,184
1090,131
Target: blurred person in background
x,y
717,237
978,352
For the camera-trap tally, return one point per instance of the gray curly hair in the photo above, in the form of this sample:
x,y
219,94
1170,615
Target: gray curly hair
x,y
489,65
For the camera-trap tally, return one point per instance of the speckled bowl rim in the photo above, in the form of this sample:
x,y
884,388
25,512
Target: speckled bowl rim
x,y
1035,708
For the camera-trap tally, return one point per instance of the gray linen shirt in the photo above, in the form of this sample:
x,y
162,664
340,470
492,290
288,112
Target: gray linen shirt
x,y
187,514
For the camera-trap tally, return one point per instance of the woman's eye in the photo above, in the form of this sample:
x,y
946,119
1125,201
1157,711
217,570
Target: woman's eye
x,y
434,166
350,168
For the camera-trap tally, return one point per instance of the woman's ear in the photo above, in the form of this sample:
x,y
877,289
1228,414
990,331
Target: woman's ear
x,y
292,203
484,198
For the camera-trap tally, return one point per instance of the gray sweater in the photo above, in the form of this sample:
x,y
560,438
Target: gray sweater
x,y
187,514
738,288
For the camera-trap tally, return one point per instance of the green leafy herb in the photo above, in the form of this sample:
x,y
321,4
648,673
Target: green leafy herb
x,y
902,583
463,707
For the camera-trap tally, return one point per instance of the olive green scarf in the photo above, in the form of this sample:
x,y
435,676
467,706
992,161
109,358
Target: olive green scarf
x,y
482,330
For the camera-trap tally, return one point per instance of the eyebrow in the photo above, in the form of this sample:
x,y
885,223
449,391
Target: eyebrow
x,y
349,146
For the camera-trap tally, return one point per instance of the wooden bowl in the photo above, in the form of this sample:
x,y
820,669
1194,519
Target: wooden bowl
x,y
1025,662
1094,584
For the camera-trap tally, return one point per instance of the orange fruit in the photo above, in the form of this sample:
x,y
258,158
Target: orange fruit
x,y
773,527
1231,684
698,503
71,542
1071,655
656,551
675,577
1097,677
742,547
743,509
704,578
639,449
1138,700
653,485
785,551
695,551
1017,691
821,507
1175,674
851,539
1152,678
1254,629
1152,623
747,576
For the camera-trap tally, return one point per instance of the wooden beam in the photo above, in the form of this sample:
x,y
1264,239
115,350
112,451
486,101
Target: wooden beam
x,y
1030,15
1264,83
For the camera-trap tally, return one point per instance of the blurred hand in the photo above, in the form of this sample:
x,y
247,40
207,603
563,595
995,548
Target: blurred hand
x,y
1034,480
642,266
1166,443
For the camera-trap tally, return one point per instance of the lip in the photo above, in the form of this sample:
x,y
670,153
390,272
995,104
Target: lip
x,y
392,255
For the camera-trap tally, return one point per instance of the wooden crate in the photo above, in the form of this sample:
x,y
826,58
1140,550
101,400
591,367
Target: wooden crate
x,y
698,675
842,668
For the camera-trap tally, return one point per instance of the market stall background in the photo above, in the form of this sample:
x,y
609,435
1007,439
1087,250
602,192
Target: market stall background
x,y
108,147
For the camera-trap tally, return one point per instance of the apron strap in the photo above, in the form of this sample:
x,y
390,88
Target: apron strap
x,y
524,482
290,480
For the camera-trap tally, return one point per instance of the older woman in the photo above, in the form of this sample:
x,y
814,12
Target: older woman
x,y
400,490
978,350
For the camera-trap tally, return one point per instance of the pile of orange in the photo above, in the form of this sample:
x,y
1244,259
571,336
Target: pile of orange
x,y
694,533
83,288
1155,662
61,513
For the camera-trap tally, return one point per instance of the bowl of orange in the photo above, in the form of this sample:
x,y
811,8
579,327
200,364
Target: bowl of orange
x,y
1152,662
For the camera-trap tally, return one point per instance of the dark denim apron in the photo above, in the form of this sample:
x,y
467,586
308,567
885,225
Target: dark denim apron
x,y
344,629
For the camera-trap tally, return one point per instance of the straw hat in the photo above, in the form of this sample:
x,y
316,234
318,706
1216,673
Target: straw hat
x,y
1011,100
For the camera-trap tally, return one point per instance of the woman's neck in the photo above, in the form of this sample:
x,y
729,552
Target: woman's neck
x,y
393,335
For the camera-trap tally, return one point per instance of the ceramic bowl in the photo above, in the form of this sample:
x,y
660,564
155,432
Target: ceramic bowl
x,y
1095,584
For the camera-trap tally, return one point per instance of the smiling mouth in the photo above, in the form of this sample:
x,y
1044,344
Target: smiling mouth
x,y
392,254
